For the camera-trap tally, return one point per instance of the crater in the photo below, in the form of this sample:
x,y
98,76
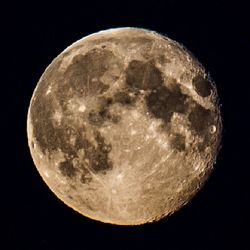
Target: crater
x,y
202,86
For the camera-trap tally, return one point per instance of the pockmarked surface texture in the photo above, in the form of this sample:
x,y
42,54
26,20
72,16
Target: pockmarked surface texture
x,y
124,126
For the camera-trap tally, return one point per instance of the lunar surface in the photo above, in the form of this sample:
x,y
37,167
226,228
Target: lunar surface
x,y
124,126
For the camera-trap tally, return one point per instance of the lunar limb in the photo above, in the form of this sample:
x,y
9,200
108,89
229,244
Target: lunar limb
x,y
124,126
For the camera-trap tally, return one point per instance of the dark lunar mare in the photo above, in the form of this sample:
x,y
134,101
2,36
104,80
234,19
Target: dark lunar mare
x,y
95,159
143,75
67,168
41,111
74,82
83,75
162,101
178,142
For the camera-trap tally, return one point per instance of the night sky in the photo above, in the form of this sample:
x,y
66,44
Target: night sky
x,y
217,34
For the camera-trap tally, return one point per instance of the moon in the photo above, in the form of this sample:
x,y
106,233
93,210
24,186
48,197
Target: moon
x,y
124,126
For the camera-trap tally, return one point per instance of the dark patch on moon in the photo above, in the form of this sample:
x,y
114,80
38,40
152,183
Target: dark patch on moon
x,y
143,75
81,78
163,102
101,113
85,176
202,86
115,118
206,141
97,118
96,156
200,119
47,137
77,80
99,156
83,75
67,169
52,138
107,101
66,132
178,142
123,98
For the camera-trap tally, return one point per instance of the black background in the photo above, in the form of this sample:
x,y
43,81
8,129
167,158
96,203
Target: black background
x,y
218,35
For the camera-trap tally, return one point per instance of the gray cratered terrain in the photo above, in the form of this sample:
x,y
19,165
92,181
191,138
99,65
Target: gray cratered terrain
x,y
124,126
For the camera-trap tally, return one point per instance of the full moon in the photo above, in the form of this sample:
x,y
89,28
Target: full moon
x,y
124,126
